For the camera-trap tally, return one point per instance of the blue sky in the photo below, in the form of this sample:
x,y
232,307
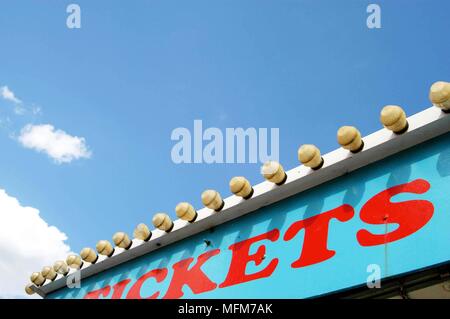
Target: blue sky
x,y
137,70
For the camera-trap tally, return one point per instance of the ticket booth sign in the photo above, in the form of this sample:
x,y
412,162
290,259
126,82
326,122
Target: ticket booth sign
x,y
384,219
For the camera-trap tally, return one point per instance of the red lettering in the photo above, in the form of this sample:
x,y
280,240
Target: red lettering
x,y
241,257
314,248
104,292
409,215
195,278
135,290
119,288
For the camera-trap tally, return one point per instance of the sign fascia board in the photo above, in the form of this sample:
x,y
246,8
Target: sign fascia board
x,y
423,126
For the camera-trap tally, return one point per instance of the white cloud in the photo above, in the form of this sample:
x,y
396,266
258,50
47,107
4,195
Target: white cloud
x,y
36,110
57,144
19,109
27,243
9,95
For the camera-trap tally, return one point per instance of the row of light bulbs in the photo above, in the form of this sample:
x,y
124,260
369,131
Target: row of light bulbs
x,y
392,117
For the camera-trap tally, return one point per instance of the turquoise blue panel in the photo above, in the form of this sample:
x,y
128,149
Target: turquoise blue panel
x,y
348,268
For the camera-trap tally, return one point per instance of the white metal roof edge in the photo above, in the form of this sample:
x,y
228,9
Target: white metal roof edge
x,y
423,126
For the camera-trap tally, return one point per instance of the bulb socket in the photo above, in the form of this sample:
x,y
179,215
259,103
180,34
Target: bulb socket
x,y
89,255
104,248
122,240
440,95
37,278
74,261
393,117
163,222
186,211
274,172
142,232
61,267
309,155
29,290
212,200
241,187
49,273
350,139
